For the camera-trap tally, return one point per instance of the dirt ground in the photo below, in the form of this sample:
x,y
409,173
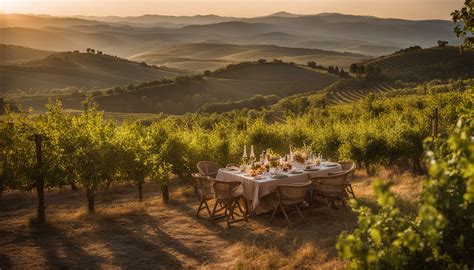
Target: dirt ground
x,y
127,234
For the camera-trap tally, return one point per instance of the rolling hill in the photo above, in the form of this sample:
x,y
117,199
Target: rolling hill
x,y
11,54
426,64
202,56
76,69
411,65
188,94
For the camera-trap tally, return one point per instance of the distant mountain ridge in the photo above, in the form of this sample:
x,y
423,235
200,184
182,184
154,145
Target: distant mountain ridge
x,y
132,35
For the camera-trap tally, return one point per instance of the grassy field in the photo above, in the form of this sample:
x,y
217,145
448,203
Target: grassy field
x,y
128,234
201,56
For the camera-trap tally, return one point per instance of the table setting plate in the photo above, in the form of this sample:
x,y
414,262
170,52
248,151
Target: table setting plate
x,y
295,172
280,176
330,165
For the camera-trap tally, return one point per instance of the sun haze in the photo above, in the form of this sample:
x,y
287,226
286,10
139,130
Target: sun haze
x,y
419,9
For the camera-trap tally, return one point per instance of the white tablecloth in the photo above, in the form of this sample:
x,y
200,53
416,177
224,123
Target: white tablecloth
x,y
255,190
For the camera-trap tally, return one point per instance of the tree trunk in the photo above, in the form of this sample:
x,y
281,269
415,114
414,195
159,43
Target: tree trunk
x,y
90,201
107,185
140,191
367,167
165,192
417,168
40,180
73,186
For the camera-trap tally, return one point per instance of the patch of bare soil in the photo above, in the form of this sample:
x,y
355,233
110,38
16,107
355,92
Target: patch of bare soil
x,y
127,234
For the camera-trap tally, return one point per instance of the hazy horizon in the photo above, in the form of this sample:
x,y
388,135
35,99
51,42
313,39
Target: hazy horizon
x,y
438,9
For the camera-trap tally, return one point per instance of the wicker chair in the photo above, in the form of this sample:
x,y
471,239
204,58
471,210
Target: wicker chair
x,y
203,187
331,189
208,168
349,167
290,196
229,194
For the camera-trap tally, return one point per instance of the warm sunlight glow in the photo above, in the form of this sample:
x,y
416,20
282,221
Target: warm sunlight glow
x,y
419,9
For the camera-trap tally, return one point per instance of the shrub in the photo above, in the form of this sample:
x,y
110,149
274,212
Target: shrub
x,y
441,235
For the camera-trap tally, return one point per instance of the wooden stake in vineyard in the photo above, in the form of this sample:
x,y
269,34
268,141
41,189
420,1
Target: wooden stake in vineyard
x,y
435,123
39,178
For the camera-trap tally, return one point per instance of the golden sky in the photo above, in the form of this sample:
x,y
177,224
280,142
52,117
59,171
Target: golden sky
x,y
407,9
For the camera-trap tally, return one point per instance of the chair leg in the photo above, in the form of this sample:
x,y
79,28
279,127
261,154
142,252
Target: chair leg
x,y
343,201
230,213
207,207
328,203
351,191
273,214
213,220
235,205
244,213
286,215
200,207
301,214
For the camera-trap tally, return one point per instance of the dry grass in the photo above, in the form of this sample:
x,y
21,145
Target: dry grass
x,y
128,234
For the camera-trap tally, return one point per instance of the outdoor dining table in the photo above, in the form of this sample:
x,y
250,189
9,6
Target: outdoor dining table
x,y
256,190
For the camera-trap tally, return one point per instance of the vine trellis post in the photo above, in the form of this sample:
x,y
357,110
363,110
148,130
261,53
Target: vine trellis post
x,y
435,123
39,178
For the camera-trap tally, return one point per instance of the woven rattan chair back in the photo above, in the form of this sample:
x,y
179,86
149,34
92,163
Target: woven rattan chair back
x,y
203,185
224,190
330,186
208,168
294,193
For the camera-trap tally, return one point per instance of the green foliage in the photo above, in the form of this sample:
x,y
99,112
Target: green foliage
x,y
89,150
18,167
160,172
256,102
133,149
94,154
441,235
464,20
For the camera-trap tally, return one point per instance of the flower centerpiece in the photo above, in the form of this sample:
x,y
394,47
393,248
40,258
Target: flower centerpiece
x,y
274,162
273,158
257,169
300,156
286,167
